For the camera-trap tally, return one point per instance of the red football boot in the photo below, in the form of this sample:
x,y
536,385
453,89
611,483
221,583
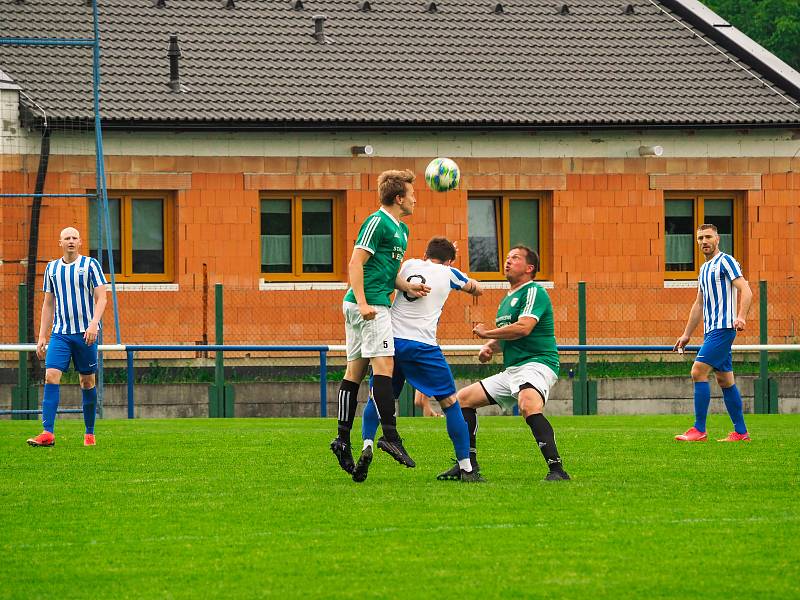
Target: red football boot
x,y
693,435
43,439
736,437
88,439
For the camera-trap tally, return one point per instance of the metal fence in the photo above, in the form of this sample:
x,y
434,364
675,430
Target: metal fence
x,y
615,314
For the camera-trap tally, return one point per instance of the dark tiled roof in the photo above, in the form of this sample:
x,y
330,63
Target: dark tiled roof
x,y
397,63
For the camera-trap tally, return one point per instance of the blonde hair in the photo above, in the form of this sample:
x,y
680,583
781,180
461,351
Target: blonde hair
x,y
392,184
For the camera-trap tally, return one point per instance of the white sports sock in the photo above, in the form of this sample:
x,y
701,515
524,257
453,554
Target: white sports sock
x,y
367,443
465,465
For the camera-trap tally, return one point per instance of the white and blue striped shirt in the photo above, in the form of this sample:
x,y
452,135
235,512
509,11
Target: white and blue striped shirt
x,y
719,295
73,287
417,318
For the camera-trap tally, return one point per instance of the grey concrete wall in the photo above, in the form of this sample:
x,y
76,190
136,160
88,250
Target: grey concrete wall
x,y
655,395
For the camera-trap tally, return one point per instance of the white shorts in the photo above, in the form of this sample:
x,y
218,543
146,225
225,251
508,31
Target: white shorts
x,y
504,387
367,339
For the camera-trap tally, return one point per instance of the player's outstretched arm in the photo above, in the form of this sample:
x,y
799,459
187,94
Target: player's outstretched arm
x,y
512,331
473,288
412,288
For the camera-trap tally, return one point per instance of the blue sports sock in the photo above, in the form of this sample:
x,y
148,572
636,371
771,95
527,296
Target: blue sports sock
x,y
702,398
457,430
369,420
52,393
733,402
89,408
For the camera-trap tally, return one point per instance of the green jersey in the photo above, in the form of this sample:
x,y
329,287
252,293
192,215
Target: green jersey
x,y
386,239
529,300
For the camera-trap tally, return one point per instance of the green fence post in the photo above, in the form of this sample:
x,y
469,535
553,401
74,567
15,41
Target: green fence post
x,y
406,401
217,405
19,393
580,405
761,387
24,396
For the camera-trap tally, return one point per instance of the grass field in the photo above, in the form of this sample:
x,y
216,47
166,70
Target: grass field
x,y
255,508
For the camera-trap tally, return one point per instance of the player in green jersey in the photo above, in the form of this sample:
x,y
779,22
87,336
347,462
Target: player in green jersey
x,y
525,334
373,268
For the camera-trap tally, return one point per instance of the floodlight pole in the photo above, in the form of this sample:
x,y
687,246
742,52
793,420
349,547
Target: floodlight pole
x,y
101,173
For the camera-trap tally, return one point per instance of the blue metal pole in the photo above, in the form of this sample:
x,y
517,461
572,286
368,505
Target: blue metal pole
x,y
101,173
129,355
323,383
20,41
48,195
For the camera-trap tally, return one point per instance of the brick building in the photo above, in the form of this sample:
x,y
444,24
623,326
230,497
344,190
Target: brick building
x,y
601,132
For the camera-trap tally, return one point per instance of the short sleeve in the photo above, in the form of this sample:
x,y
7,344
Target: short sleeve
x,y
47,285
457,279
536,303
731,267
370,234
96,276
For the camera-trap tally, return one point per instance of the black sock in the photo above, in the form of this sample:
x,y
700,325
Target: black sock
x,y
348,402
471,417
543,432
383,394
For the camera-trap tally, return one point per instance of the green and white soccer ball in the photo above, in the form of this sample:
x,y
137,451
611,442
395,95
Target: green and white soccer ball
x,y
442,175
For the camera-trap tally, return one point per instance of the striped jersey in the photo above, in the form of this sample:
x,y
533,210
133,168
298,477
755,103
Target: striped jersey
x,y
73,285
416,318
719,295
386,239
529,300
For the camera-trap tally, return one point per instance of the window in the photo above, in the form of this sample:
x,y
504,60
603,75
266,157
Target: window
x,y
301,235
683,214
496,223
141,236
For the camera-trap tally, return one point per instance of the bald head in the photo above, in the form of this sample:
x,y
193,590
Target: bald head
x,y
69,232
70,242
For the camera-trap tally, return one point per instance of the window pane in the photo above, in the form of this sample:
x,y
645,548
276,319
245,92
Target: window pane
x,y
317,236
147,216
94,234
524,223
482,236
679,235
276,236
720,213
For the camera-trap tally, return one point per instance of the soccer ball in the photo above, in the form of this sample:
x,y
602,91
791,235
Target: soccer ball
x,y
442,175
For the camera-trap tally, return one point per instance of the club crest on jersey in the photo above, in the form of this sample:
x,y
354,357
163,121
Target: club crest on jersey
x,y
82,271
514,301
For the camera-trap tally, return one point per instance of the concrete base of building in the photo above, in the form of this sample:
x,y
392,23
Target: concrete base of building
x,y
630,396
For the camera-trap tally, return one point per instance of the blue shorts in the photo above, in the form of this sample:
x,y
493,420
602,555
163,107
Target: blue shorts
x,y
65,347
716,349
424,367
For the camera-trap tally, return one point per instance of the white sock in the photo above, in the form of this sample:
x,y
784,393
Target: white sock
x,y
367,444
465,465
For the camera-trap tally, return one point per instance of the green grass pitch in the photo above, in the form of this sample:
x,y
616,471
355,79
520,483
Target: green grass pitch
x,y
258,508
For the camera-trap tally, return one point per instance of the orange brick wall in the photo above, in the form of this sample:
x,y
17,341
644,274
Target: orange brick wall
x,y
607,230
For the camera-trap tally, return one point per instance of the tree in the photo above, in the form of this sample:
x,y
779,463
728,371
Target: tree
x,y
775,24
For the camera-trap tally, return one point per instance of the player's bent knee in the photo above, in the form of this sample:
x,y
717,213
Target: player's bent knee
x,y
447,402
472,396
725,379
530,402
87,381
382,365
52,376
700,371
